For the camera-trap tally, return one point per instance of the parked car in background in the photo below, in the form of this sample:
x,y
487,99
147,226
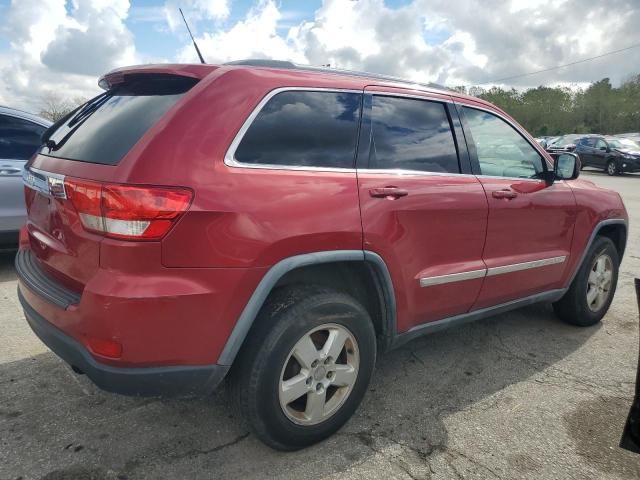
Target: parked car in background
x,y
614,155
20,134
565,143
631,136
307,220
544,141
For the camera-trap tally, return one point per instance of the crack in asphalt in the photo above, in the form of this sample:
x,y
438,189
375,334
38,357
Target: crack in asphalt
x,y
450,455
551,368
195,452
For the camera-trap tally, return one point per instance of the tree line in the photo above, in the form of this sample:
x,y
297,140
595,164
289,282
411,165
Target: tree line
x,y
600,108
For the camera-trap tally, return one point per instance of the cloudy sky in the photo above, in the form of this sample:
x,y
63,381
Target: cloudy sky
x,y
62,46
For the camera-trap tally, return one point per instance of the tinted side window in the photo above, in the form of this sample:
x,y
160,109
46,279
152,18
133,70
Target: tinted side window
x,y
298,128
600,143
412,134
502,151
19,139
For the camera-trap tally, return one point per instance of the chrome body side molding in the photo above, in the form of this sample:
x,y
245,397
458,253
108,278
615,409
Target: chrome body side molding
x,y
488,272
452,277
516,267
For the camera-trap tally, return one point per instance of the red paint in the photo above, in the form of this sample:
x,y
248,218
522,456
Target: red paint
x,y
175,301
530,226
437,229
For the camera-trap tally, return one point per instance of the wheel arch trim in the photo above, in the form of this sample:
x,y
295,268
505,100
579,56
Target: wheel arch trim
x,y
277,271
599,226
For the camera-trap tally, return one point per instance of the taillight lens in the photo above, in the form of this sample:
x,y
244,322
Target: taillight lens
x,y
125,211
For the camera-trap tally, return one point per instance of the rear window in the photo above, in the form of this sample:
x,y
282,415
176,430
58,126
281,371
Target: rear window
x,y
298,128
108,126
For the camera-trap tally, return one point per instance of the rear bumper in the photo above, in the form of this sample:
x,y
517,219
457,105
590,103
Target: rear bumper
x,y
148,381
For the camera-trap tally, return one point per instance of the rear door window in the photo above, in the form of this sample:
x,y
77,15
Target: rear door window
x,y
303,129
411,134
108,126
19,138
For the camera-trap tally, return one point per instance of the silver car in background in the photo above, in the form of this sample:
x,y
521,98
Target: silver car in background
x,y
20,134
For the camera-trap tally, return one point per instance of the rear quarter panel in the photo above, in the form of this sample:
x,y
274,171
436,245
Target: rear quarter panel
x,y
243,217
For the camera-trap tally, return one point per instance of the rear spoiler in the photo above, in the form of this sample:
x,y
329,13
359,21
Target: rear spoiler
x,y
119,75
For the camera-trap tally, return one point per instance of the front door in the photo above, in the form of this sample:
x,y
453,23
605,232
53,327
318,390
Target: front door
x,y
426,219
599,156
530,224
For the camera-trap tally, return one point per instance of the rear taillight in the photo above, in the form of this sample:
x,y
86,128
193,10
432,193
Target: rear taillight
x,y
127,212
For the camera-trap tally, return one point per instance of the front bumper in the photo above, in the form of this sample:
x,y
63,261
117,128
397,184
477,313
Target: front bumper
x,y
629,166
148,381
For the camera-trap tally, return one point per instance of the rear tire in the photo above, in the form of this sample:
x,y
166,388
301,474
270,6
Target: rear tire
x,y
612,168
296,324
593,288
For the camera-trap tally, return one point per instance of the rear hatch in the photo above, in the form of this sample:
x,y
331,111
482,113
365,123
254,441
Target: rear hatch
x,y
67,182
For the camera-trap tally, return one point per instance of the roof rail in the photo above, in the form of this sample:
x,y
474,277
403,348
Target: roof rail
x,y
287,65
263,62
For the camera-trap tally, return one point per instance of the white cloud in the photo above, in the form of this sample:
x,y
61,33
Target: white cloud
x,y
254,37
195,10
99,27
444,41
56,51
481,39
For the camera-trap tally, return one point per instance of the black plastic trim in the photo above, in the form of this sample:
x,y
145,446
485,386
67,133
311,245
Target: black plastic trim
x,y
32,275
436,326
148,381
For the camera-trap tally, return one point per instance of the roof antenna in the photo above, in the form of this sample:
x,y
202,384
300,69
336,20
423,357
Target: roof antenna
x,y
192,39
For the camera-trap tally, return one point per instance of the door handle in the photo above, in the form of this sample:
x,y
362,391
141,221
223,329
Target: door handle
x,y
507,194
9,171
392,193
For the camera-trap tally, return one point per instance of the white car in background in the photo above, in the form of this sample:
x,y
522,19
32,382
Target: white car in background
x,y
20,134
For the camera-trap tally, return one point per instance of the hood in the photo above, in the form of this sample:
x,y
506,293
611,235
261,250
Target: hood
x,y
627,151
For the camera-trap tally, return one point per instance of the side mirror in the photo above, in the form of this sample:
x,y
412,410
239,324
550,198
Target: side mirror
x,y
604,149
566,166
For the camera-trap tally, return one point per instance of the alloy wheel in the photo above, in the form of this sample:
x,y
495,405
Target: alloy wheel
x,y
599,282
319,374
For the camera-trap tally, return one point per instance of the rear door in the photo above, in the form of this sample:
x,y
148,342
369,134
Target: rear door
x,y
89,145
19,139
419,211
530,224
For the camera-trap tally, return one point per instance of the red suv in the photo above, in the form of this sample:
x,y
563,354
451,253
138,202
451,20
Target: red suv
x,y
281,225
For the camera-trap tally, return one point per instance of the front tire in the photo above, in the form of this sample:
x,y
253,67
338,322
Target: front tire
x,y
612,168
593,288
305,366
